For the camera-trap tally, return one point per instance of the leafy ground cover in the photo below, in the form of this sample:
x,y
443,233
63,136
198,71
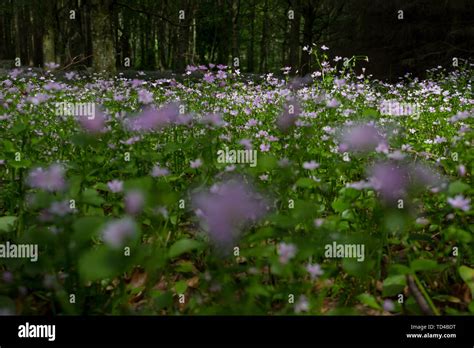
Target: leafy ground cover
x,y
137,211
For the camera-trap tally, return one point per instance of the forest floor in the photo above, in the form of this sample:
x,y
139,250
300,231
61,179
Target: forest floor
x,y
214,194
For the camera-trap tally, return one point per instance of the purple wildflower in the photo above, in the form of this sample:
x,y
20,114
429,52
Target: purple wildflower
x,y
117,232
134,201
196,163
361,138
115,186
286,252
460,202
226,209
310,165
50,179
209,78
151,119
60,208
302,305
145,97
388,305
95,124
289,116
314,270
157,171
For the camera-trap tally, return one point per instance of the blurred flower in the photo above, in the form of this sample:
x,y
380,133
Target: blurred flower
x,y
60,208
117,232
152,119
286,252
288,117
247,143
461,170
422,221
145,97
361,138
284,162
388,305
209,77
333,103
196,163
134,201
302,305
226,209
51,65
70,75
213,120
115,186
7,277
264,147
390,180
460,202
394,180
50,179
95,124
310,165
314,270
318,222
339,82
157,171
221,75
382,148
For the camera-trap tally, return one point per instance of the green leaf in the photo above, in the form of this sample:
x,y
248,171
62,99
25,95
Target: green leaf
x,y
92,197
18,128
7,223
423,265
339,205
305,182
393,285
87,227
369,300
467,274
8,146
183,246
370,113
98,264
101,186
186,267
471,307
457,187
24,163
180,287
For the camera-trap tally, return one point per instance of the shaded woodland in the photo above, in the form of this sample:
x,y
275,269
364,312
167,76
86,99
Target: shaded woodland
x,y
264,35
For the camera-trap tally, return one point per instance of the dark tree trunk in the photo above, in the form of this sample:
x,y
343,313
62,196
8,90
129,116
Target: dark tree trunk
x,y
263,40
102,36
309,17
294,44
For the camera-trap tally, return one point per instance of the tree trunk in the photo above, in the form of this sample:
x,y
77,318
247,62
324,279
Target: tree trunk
x,y
263,41
102,36
295,37
309,17
235,29
251,49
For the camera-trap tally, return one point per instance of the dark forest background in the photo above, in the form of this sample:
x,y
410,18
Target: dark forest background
x,y
265,35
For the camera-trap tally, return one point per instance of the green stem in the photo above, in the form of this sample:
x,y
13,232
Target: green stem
x,y
425,295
